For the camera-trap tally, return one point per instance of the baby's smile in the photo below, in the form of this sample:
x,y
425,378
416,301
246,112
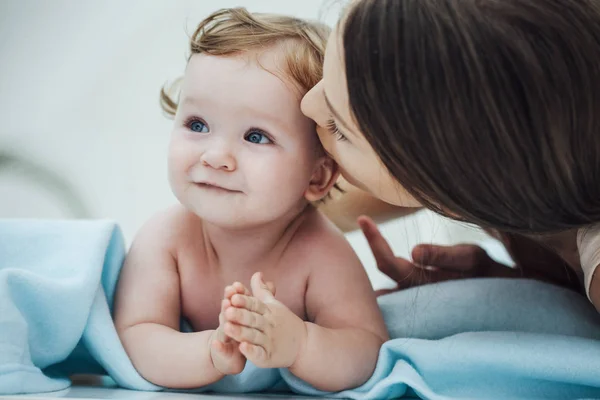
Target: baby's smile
x,y
216,188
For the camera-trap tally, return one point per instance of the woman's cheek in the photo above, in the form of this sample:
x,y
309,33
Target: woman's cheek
x,y
324,137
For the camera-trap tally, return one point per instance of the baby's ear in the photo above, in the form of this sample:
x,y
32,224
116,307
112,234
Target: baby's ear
x,y
323,178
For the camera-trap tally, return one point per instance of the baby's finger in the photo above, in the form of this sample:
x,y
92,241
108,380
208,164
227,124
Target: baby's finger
x,y
219,346
240,288
249,303
271,287
220,332
256,354
245,334
225,304
243,317
229,291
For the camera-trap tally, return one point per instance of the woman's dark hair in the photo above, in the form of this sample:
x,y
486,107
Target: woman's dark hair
x,y
486,109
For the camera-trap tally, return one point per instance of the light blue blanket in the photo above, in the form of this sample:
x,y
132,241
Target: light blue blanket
x,y
479,339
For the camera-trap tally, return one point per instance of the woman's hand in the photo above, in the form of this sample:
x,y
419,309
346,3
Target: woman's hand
x,y
431,263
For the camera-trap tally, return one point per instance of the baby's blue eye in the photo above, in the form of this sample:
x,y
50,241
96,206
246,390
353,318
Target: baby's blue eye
x,y
257,137
198,126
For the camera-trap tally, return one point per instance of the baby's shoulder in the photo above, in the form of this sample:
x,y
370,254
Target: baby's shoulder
x,y
170,228
319,241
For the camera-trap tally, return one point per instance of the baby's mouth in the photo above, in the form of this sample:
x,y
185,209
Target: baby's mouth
x,y
214,187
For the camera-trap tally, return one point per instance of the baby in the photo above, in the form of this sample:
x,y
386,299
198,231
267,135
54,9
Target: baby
x,y
246,166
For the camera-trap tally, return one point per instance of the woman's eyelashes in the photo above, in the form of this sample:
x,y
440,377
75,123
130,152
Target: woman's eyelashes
x,y
335,130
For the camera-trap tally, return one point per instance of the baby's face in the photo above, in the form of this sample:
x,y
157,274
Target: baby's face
x,y
241,153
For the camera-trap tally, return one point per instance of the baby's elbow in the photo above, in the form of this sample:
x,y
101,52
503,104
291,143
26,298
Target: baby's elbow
x,y
372,349
382,337
366,362
378,337
131,337
331,386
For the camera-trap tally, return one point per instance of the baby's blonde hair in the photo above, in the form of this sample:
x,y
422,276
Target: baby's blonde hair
x,y
233,31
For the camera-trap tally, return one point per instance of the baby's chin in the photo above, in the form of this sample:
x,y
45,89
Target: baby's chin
x,y
236,211
228,216
241,217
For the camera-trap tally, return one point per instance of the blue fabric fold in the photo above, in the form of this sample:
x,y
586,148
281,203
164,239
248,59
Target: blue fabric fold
x,y
479,339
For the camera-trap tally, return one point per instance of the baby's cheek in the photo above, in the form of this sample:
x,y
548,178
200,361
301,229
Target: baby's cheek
x,y
280,190
178,166
182,156
174,170
178,149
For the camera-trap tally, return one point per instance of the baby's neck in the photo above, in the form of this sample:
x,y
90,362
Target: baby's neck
x,y
248,248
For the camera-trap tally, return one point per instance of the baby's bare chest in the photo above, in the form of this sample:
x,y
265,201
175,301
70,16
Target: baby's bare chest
x,y
202,287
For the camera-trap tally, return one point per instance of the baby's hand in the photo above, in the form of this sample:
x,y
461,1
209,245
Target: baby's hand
x,y
269,333
224,351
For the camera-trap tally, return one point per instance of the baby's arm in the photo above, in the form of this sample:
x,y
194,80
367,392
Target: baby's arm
x,y
339,349
147,313
343,342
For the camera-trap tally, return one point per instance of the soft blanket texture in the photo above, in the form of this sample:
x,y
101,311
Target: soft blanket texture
x,y
480,339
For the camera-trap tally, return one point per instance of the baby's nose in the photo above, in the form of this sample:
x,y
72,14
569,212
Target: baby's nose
x,y
221,159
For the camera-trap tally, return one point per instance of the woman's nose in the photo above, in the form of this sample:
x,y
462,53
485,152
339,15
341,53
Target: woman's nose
x,y
310,104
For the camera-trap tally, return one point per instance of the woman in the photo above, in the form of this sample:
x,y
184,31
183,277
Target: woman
x,y
481,110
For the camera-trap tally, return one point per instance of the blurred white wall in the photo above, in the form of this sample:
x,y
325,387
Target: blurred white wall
x,y
79,84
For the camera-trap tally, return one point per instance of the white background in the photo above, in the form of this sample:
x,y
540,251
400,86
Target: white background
x,y
79,84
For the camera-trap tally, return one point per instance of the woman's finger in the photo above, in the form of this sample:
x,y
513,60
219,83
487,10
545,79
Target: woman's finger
x,y
425,275
381,249
382,292
383,253
462,257
416,275
406,273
